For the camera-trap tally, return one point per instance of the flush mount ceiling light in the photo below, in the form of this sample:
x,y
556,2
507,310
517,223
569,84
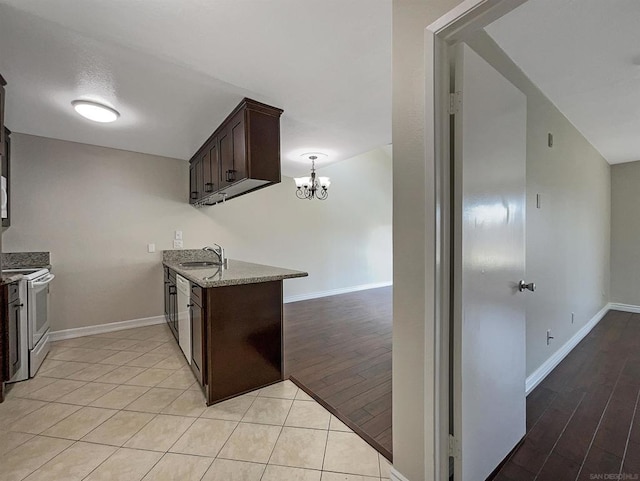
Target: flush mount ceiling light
x,y
312,187
95,111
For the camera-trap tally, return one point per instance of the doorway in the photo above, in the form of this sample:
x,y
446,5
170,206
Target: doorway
x,y
568,196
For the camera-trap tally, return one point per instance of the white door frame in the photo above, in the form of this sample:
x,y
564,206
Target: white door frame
x,y
454,26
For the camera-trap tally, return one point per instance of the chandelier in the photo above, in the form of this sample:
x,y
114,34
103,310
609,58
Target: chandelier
x,y
312,187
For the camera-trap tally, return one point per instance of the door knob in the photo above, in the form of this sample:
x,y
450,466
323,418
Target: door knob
x,y
523,285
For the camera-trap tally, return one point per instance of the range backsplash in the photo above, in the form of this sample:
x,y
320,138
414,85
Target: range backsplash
x,y
186,255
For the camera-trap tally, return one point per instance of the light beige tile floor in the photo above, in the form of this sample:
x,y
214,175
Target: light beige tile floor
x,y
124,406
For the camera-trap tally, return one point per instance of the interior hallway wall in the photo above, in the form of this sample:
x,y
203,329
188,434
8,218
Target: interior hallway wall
x,y
96,209
625,233
567,238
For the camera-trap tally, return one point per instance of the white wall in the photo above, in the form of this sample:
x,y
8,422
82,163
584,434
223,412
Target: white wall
x,y
568,238
625,233
96,209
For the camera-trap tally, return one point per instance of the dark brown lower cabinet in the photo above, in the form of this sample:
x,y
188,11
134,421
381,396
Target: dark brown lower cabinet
x,y
14,310
171,301
166,294
243,326
196,313
236,336
10,357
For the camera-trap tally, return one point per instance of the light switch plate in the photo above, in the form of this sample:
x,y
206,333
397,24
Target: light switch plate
x,y
177,244
151,248
178,235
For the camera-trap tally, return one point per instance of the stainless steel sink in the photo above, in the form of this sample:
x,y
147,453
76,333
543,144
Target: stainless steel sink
x,y
199,264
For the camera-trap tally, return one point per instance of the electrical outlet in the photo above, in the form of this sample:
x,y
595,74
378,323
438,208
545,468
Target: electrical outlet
x,y
178,235
177,244
573,317
549,336
151,248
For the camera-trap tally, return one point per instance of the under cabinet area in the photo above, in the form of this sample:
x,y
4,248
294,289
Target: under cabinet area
x,y
242,155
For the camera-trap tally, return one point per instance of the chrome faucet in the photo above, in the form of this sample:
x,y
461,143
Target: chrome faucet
x,y
219,251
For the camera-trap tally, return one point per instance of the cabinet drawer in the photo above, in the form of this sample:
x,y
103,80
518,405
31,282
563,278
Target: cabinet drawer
x,y
14,292
196,294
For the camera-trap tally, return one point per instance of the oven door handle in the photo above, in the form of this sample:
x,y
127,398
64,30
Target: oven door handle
x,y
46,280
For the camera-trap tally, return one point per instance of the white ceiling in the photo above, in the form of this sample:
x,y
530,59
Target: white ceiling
x,y
585,56
175,68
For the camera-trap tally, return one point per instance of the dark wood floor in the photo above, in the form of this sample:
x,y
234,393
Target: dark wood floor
x,y
338,349
583,421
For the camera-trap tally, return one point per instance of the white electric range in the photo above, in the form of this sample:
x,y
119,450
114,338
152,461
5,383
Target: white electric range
x,y
34,320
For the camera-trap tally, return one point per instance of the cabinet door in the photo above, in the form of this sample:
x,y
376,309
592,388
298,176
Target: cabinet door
x,y
197,324
225,154
173,309
166,294
233,154
14,337
213,166
238,134
210,174
194,193
207,185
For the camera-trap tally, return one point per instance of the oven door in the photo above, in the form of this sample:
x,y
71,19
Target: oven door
x,y
38,304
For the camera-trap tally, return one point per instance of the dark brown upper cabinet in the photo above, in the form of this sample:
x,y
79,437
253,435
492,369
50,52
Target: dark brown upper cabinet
x,y
210,168
6,173
241,156
194,193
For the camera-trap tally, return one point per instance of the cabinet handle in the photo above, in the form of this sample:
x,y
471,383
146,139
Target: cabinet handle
x,y
194,194
208,187
190,305
231,175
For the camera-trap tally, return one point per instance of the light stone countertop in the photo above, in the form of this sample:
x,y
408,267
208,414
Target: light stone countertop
x,y
237,273
22,260
10,278
13,260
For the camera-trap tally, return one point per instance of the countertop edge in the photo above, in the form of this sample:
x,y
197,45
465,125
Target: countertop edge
x,y
11,278
187,273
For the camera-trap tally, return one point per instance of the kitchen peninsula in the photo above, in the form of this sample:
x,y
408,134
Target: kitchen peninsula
x,y
234,317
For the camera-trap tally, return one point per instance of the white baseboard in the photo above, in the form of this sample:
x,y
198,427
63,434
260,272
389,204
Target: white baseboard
x,y
335,292
616,306
543,371
103,328
150,321
396,476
